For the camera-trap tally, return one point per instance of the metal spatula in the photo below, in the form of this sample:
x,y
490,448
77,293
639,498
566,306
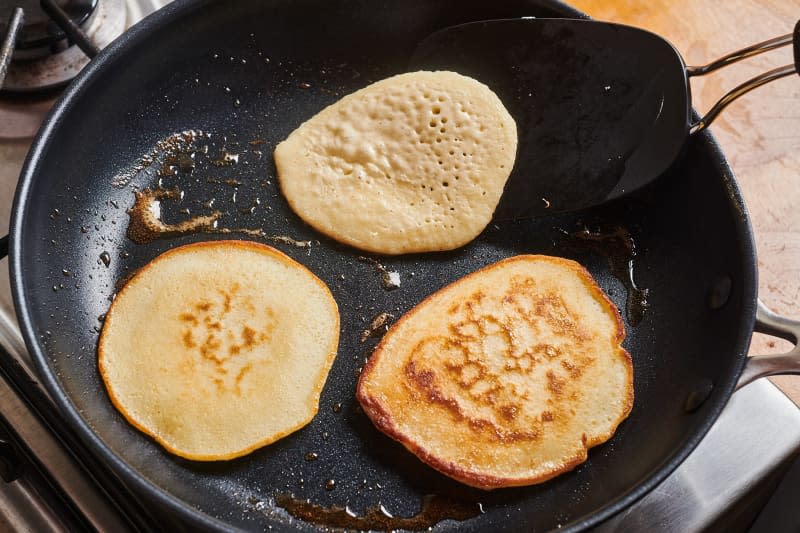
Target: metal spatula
x,y
602,109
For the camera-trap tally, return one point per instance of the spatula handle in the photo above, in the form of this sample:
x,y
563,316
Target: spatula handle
x,y
744,53
749,85
797,47
740,90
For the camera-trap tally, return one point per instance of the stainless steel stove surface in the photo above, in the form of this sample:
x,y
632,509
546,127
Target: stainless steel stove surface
x,y
46,487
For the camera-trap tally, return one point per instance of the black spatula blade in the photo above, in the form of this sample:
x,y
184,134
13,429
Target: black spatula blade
x,y
601,109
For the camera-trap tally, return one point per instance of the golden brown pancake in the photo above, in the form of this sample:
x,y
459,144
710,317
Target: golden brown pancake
x,y
506,377
413,163
217,348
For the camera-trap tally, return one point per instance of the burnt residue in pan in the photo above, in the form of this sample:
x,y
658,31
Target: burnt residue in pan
x,y
179,156
377,518
171,155
276,239
225,159
618,247
147,226
389,278
377,327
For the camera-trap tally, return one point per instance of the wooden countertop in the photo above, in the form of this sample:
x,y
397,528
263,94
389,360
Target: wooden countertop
x,y
759,133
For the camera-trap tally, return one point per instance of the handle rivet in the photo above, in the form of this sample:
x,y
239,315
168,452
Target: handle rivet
x,y
720,292
699,395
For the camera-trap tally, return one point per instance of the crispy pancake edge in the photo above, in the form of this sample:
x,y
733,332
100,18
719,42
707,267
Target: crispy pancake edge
x,y
382,419
261,248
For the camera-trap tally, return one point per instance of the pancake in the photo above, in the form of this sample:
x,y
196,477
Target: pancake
x,y
215,349
413,163
506,377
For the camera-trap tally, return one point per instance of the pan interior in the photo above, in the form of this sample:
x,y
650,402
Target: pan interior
x,y
248,74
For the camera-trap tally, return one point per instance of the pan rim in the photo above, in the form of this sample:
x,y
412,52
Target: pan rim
x,y
22,199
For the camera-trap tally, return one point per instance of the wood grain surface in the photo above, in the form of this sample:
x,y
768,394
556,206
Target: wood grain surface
x,y
759,133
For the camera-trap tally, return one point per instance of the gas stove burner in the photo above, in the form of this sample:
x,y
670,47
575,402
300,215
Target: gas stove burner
x,y
22,110
44,58
40,36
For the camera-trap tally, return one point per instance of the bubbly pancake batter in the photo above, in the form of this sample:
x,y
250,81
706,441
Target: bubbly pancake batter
x,y
413,163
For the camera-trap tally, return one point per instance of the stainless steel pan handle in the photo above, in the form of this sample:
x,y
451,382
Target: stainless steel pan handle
x,y
760,366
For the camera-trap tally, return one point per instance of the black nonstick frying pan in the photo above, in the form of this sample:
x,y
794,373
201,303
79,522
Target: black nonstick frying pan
x,y
248,73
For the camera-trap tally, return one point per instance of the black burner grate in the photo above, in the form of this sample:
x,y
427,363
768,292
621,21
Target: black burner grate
x,y
39,34
37,37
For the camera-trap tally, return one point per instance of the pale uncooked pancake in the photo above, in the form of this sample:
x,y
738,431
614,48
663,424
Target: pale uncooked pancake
x,y
412,163
506,377
215,349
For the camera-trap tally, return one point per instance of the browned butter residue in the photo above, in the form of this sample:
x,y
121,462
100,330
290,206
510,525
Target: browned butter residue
x,y
145,218
146,224
173,154
617,245
377,326
389,278
377,518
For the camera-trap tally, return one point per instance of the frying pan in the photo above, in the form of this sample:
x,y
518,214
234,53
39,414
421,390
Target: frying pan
x,y
253,71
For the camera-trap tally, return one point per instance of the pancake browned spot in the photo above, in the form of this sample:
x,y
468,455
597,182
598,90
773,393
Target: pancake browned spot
x,y
506,377
215,349
413,163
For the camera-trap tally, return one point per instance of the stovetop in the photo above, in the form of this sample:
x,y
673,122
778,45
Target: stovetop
x,y
56,485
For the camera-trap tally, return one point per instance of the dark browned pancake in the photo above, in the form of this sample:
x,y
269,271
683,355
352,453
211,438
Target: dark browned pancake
x,y
506,377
